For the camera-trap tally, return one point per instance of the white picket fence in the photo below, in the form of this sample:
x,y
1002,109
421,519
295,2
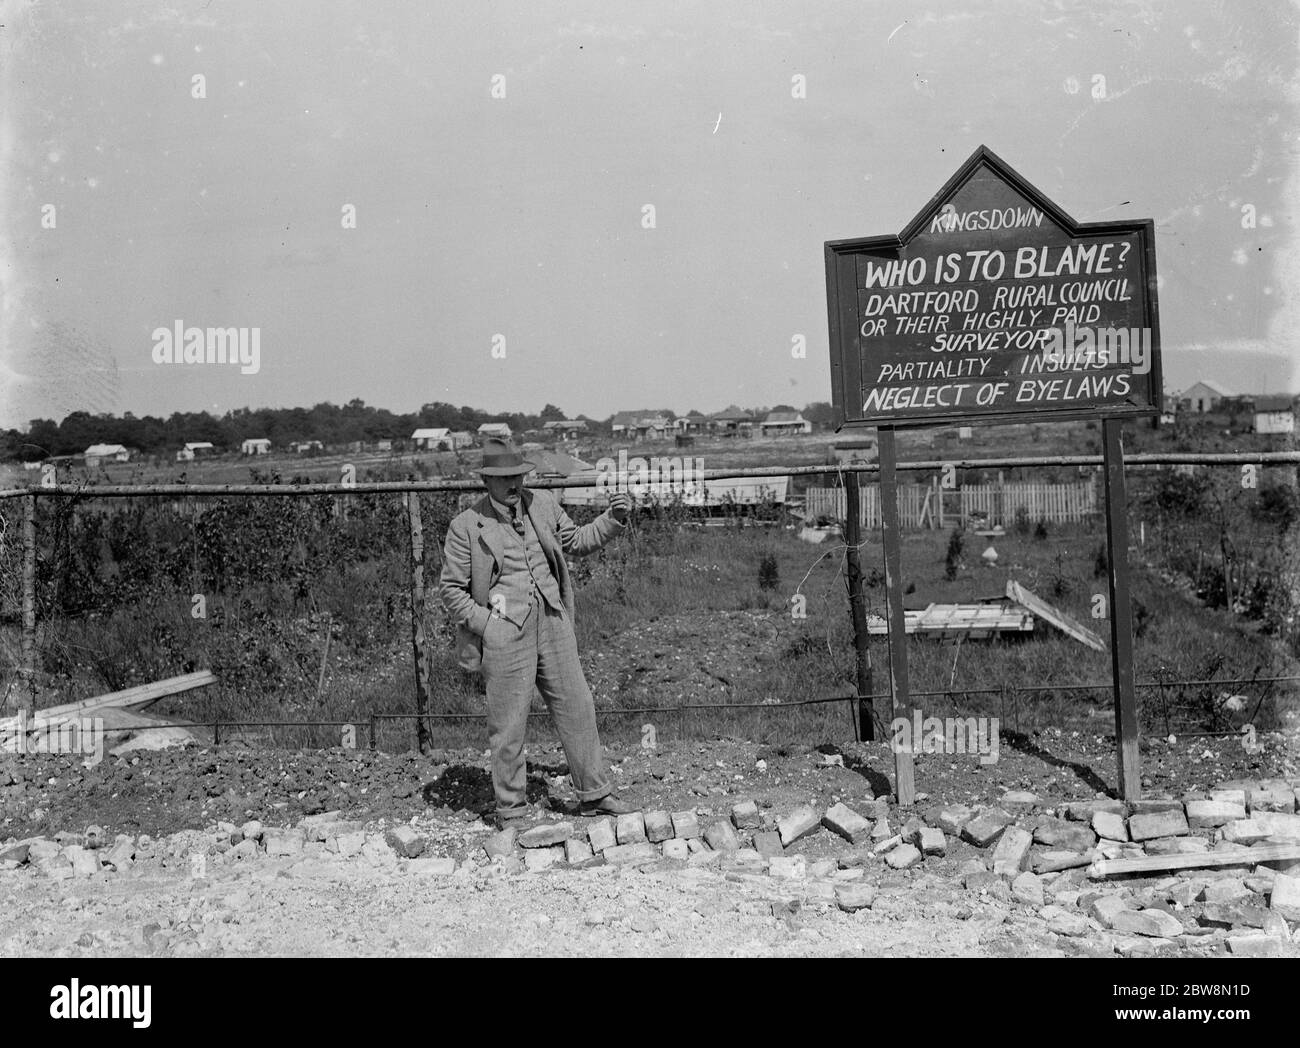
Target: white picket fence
x,y
930,506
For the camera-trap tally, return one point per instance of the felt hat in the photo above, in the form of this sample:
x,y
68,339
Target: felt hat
x,y
501,460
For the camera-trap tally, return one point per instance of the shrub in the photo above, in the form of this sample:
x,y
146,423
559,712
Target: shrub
x,y
952,562
769,577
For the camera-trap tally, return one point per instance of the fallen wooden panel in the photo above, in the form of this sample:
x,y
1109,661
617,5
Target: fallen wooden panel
x,y
1054,616
971,621
1103,868
128,723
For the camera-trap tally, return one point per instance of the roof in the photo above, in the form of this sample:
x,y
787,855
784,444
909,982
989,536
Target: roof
x,y
783,416
565,424
556,463
430,434
1275,402
729,412
494,427
258,440
1211,386
105,449
195,445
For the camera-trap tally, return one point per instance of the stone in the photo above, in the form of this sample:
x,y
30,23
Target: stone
x,y
986,827
405,842
1285,900
349,843
658,826
377,852
1154,805
1177,846
634,854
252,830
1277,797
696,844
1232,915
721,837
1276,926
1028,889
1062,835
1055,861
1154,924
952,817
854,874
120,855
501,843
1109,825
768,844
318,827
40,850
1244,831
792,867
1019,800
432,866
853,897
903,857
538,859
630,828
911,831
745,815
983,880
933,842
746,859
1063,922
548,835
881,830
1278,824
799,823
1226,890
822,867
685,825
577,851
704,857
248,849
1229,796
1105,908
1083,811
283,842
1011,852
85,862
17,854
1203,815
600,834
842,820
1254,946
676,849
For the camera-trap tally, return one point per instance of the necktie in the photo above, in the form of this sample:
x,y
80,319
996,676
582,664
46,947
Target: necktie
x,y
518,522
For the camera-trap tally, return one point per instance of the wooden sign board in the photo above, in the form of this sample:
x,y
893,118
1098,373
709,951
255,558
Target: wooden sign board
x,y
994,305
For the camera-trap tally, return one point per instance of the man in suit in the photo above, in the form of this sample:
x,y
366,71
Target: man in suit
x,y
506,584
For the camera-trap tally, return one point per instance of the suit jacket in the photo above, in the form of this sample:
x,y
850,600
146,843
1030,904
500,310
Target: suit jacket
x,y
472,557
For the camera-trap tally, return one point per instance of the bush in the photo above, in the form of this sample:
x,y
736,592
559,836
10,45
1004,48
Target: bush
x,y
952,562
1040,532
769,577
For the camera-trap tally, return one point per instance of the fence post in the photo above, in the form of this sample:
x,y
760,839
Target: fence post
x,y
216,732
374,725
904,772
418,641
858,609
27,693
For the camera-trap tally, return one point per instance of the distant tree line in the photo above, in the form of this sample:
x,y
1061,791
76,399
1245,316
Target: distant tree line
x,y
326,422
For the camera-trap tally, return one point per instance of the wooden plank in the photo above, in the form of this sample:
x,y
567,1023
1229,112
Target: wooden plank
x,y
1063,622
904,782
1103,868
141,695
866,722
27,692
418,641
1127,755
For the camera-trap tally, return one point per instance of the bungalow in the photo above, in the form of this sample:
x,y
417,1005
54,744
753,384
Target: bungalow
x,y
689,424
1202,397
432,439
97,453
784,423
732,422
255,446
195,449
652,427
1274,414
624,423
565,429
500,430
303,447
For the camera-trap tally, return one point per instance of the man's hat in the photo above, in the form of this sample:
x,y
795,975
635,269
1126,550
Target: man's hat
x,y
501,460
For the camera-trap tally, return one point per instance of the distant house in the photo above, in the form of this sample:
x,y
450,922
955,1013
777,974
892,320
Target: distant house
x,y
652,427
461,438
731,422
302,447
438,439
97,453
195,449
1274,414
500,430
784,423
689,424
566,429
1202,397
383,445
255,446
624,423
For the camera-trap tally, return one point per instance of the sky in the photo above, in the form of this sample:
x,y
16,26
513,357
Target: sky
x,y
602,206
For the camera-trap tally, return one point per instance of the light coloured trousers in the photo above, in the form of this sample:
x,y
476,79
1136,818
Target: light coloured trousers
x,y
544,652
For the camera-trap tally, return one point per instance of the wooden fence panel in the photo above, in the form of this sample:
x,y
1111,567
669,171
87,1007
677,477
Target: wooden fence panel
x,y
996,503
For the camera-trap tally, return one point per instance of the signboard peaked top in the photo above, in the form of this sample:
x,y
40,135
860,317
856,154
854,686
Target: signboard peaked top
x,y
993,304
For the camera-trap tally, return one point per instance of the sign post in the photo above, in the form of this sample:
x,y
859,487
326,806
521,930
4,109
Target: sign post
x,y
899,687
993,305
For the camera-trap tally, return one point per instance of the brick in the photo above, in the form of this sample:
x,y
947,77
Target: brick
x,y
1083,811
1244,831
1229,796
746,859
685,825
85,862
538,859
768,843
1254,946
844,821
1110,825
745,815
1062,835
40,850
792,867
982,880
1012,851
577,851
501,843
822,867
1276,926
952,817
933,842
283,842
1203,815
881,831
1105,908
631,854
630,828
721,837
405,842
986,827
349,843
1154,806
676,849
16,853
1018,800
853,897
1277,798
799,823
888,844
1285,900
1154,924
1055,861
316,827
547,835
377,852
704,857
600,834
432,866
1278,824
903,857
696,845
1232,915
1063,922
658,826
1226,890
1177,846
120,855
1028,889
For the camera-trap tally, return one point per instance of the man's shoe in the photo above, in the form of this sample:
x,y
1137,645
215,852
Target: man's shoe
x,y
606,805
